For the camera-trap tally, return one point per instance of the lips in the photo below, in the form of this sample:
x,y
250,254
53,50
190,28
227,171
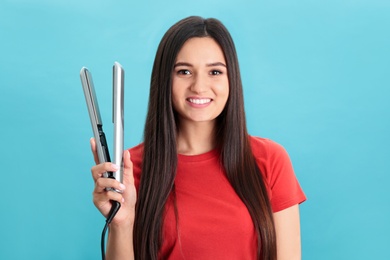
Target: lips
x,y
199,101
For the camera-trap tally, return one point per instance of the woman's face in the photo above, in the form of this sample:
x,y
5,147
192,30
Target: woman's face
x,y
200,86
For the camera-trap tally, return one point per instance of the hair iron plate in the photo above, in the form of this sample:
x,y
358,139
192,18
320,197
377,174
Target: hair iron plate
x,y
97,125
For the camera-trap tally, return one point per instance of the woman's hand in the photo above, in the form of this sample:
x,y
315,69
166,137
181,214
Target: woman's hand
x,y
101,197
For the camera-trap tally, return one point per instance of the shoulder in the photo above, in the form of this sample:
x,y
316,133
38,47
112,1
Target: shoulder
x,y
266,148
272,159
136,155
275,165
136,151
269,155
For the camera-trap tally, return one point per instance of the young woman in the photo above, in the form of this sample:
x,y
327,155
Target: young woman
x,y
199,187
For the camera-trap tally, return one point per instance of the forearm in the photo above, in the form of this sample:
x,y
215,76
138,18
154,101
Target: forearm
x,y
288,234
120,243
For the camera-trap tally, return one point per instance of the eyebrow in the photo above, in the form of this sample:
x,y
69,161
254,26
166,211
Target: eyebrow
x,y
208,65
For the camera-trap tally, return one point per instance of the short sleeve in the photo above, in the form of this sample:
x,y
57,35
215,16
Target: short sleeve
x,y
274,162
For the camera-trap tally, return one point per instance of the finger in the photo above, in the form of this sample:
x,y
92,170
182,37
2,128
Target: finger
x,y
98,170
112,195
103,183
103,199
128,166
126,159
93,149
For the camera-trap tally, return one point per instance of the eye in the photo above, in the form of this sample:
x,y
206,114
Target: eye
x,y
183,72
215,72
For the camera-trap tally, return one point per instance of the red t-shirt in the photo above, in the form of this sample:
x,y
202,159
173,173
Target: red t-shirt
x,y
213,222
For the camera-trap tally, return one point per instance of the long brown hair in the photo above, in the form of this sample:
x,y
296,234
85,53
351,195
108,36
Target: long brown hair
x,y
160,154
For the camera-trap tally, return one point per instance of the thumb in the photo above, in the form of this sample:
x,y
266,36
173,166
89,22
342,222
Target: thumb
x,y
126,160
94,151
128,167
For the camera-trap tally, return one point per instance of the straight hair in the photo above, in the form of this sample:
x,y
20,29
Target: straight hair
x,y
160,153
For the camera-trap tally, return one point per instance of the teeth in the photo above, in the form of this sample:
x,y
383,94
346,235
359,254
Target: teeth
x,y
200,101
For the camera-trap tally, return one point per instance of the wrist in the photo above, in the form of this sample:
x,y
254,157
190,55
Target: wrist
x,y
122,225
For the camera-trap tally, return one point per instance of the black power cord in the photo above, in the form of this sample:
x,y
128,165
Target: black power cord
x,y
114,209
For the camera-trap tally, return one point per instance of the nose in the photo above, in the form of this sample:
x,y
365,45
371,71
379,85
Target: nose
x,y
200,84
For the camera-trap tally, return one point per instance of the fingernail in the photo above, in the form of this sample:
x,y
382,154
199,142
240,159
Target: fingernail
x,y
122,186
115,167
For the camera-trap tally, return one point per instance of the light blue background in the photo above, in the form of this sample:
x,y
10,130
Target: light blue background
x,y
316,79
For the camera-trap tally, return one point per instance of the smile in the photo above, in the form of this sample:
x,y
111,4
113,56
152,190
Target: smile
x,y
199,101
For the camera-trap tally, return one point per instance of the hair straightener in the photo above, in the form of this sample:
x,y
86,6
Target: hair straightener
x,y
97,128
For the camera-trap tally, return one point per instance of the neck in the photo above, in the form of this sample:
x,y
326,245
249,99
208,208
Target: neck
x,y
195,137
